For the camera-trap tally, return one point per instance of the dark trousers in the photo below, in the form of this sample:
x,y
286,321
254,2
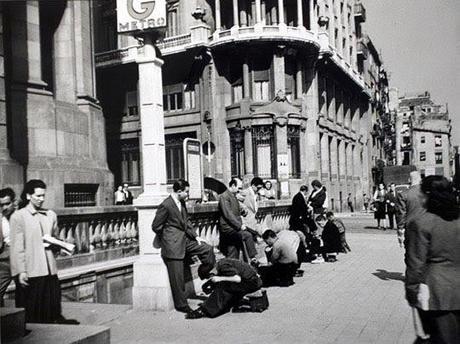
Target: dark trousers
x,y
392,219
176,269
5,277
350,205
232,243
442,326
228,294
278,274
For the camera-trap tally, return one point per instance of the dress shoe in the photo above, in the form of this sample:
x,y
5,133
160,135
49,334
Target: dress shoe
x,y
196,314
185,309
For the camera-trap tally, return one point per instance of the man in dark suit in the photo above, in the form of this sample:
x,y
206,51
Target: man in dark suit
x,y
299,211
391,201
232,229
179,241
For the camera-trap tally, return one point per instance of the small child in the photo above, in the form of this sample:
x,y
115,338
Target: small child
x,y
338,223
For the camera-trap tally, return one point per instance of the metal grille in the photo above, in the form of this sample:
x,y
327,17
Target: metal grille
x,y
264,153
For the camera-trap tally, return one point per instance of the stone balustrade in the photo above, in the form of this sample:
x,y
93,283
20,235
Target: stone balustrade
x,y
97,229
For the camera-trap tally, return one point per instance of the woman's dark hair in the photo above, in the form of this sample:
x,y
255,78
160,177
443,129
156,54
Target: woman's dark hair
x,y
440,197
316,183
29,189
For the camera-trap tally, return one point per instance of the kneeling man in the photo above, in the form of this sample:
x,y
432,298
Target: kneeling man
x,y
233,279
282,253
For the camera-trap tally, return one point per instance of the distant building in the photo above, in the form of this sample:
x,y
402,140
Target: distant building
x,y
290,91
423,135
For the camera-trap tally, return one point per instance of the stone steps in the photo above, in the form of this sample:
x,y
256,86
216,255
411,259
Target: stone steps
x,y
14,330
12,323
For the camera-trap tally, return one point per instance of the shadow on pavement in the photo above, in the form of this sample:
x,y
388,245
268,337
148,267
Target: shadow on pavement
x,y
389,275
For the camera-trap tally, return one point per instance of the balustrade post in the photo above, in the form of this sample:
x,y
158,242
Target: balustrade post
x,y
235,13
258,12
299,13
281,12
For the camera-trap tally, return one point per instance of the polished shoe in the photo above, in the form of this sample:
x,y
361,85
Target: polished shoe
x,y
317,260
186,309
63,321
196,314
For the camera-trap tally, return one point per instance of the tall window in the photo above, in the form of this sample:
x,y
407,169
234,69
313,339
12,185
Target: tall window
x,y
237,152
172,22
261,79
438,157
322,95
422,156
438,141
422,139
264,151
406,158
175,155
179,97
130,161
290,78
293,137
131,108
236,80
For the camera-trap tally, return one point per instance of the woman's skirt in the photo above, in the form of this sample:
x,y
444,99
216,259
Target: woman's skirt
x,y
379,210
41,299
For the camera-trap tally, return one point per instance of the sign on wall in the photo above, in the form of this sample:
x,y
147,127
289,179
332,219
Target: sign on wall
x,y
193,169
140,15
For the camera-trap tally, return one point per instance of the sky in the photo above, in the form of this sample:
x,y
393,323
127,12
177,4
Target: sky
x,y
420,45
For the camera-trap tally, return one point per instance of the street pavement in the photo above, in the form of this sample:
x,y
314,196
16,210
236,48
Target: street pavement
x,y
358,299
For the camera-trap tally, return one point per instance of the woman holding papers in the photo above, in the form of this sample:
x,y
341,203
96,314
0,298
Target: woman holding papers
x,y
32,261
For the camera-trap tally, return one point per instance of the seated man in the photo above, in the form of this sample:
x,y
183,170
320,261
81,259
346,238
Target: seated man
x,y
282,253
233,279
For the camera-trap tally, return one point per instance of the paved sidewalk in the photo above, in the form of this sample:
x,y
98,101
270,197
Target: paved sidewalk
x,y
359,299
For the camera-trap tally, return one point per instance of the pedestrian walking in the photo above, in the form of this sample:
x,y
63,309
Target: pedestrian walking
x,y
390,202
32,263
379,205
179,241
433,262
7,203
350,203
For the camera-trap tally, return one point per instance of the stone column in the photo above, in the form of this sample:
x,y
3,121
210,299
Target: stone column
x,y
349,153
243,15
334,159
313,19
299,13
248,155
324,141
310,108
151,289
281,12
218,15
235,13
342,161
298,80
282,157
279,70
246,83
64,62
258,12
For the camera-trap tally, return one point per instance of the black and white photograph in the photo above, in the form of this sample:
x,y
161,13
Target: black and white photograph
x,y
229,171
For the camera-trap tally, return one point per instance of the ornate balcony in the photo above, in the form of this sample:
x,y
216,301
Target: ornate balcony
x,y
275,33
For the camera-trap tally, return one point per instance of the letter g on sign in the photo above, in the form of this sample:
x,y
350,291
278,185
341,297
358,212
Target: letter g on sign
x,y
147,7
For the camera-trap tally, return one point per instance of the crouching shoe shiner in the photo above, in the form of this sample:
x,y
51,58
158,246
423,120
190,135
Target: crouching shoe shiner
x,y
233,279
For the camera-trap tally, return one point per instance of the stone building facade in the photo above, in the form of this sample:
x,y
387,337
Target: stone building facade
x,y
286,90
51,125
423,135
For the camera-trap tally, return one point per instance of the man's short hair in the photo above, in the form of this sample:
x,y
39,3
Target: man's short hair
x,y
33,184
329,214
257,181
180,185
303,188
7,192
268,234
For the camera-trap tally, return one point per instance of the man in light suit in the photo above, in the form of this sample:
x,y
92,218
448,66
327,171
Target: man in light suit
x,y
232,230
7,197
250,203
179,241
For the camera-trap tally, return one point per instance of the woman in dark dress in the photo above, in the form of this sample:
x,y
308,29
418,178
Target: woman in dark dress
x,y
379,205
433,262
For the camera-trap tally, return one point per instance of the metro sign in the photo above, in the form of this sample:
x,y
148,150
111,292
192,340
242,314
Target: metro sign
x,y
140,15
